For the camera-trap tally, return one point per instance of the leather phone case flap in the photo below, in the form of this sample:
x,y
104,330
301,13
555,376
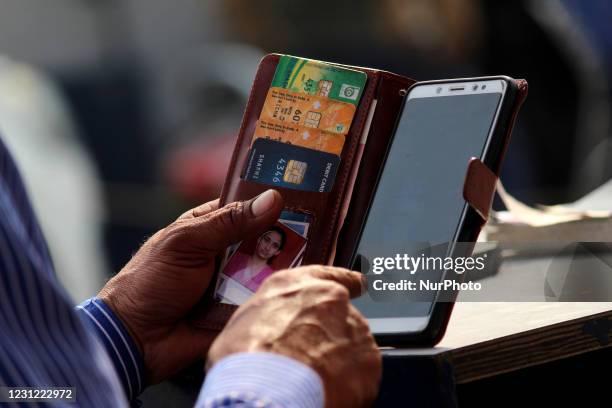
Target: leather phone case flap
x,y
479,187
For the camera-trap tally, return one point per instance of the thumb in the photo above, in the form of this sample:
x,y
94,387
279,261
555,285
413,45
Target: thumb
x,y
236,221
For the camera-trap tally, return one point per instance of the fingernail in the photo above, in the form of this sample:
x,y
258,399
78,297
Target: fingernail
x,y
263,203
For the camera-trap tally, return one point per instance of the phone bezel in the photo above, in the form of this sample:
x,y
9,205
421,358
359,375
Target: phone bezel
x,y
429,329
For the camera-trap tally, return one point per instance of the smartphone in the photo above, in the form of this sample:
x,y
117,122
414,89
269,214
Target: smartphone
x,y
417,206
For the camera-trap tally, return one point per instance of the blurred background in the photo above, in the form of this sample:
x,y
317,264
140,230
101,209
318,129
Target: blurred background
x,y
123,114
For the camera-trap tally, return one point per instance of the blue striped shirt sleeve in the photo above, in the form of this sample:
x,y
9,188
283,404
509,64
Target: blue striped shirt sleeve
x,y
119,345
43,342
249,380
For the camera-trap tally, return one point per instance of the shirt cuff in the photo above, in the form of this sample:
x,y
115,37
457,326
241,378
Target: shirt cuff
x,y
261,380
118,343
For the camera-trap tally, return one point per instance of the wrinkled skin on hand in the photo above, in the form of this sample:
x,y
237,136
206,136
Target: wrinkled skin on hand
x,y
154,293
302,313
305,313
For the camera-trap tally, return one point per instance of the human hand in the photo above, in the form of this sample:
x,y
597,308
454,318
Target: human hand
x,y
156,290
305,313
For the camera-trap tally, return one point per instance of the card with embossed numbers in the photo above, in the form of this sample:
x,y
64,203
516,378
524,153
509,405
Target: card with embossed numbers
x,y
284,165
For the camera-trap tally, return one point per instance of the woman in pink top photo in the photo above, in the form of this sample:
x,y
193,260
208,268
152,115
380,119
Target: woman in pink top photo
x,y
251,270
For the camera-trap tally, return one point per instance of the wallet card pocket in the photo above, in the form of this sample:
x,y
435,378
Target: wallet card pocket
x,y
308,111
307,162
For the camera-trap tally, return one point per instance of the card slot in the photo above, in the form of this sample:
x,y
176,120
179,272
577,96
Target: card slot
x,y
325,206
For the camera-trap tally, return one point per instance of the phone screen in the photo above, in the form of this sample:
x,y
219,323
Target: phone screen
x,y
418,203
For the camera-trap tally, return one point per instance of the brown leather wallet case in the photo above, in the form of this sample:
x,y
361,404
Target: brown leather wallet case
x,y
337,215
384,90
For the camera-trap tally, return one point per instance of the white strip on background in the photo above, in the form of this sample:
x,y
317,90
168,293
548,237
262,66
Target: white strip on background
x,y
366,128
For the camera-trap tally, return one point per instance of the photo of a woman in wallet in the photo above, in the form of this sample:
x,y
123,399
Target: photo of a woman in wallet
x,y
251,269
256,259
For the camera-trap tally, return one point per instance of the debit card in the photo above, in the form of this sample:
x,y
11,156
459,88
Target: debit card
x,y
284,165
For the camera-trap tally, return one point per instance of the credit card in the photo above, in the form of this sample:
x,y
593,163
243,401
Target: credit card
x,y
283,165
299,222
300,136
310,111
319,78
